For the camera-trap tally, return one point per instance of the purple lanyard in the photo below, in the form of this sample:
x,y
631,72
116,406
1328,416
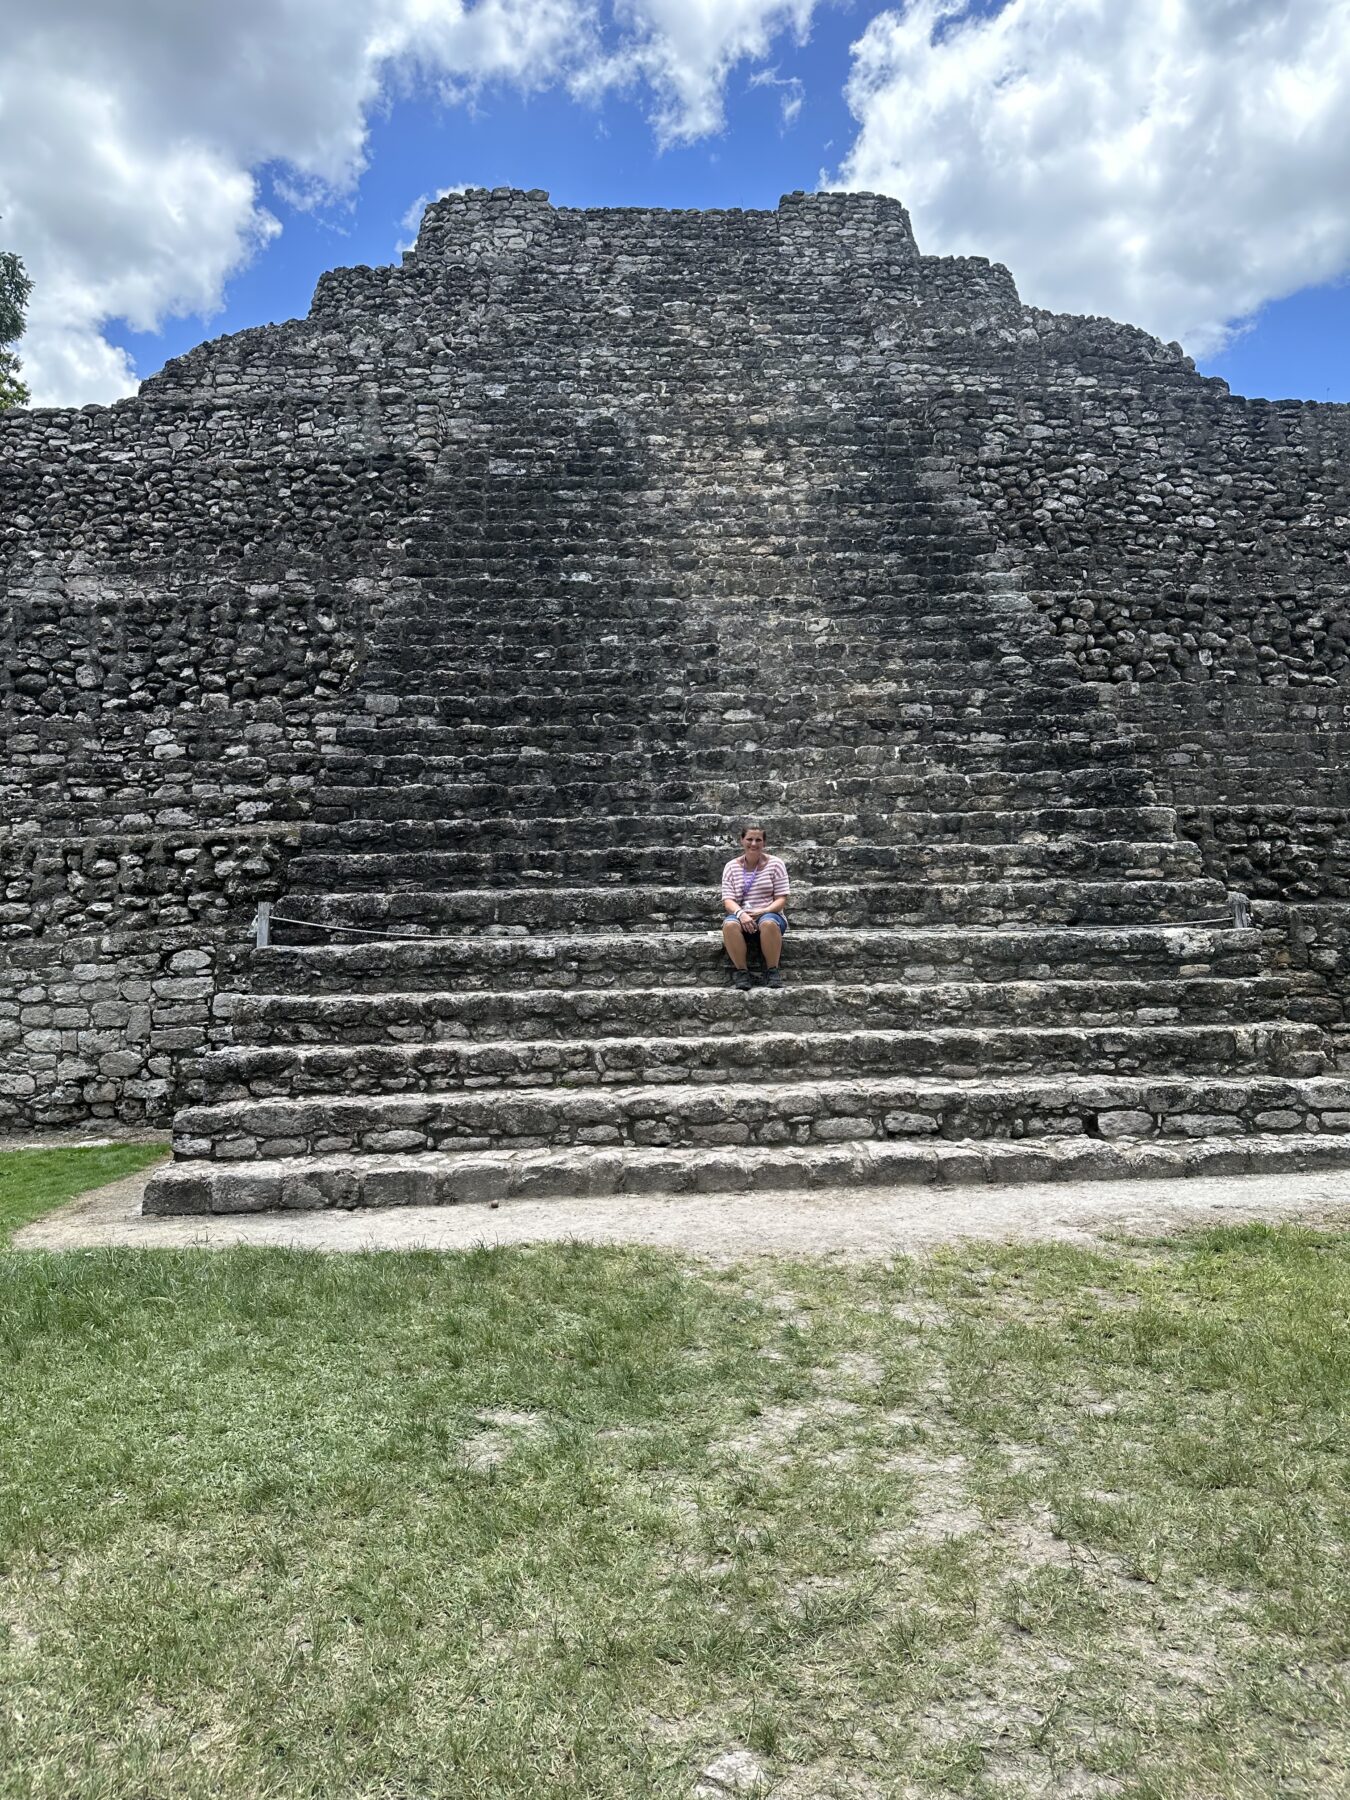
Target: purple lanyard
x,y
748,879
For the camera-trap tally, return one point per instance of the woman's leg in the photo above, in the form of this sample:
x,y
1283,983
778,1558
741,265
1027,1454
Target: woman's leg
x,y
770,942
734,939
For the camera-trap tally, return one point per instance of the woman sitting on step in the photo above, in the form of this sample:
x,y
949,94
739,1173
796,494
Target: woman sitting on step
x,y
754,899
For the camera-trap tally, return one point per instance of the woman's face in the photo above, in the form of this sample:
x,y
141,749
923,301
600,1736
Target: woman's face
x,y
752,845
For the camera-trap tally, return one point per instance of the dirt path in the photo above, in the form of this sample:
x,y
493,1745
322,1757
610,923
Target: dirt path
x,y
855,1223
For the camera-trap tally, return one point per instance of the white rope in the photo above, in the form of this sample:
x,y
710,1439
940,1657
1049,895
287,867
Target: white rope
x,y
458,937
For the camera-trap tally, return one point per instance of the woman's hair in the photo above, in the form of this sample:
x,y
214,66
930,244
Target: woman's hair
x,y
754,825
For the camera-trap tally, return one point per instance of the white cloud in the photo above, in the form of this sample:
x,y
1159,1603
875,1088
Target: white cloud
x,y
132,136
684,51
1174,163
129,138
790,100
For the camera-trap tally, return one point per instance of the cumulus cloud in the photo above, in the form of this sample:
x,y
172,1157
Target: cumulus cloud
x,y
1173,163
132,137
684,51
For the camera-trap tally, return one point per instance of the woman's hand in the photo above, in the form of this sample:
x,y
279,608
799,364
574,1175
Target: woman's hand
x,y
748,920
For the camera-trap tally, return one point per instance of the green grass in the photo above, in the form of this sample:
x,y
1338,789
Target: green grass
x,y
32,1182
572,1522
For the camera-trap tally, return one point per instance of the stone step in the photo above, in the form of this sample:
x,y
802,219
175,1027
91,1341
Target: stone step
x,y
652,719
694,1115
687,512
871,740
790,558
876,598
401,763
689,495
587,605
910,593
691,499
875,797
675,865
1047,901
712,1011
674,691
711,681
578,703
785,562
195,1187
903,625
787,567
789,830
714,748
582,649
573,607
696,958
769,1055
714,682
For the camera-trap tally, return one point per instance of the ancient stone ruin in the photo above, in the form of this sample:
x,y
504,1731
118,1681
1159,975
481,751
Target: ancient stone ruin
x,y
464,620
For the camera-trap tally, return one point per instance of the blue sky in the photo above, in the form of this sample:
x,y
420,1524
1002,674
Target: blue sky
x,y
583,154
1186,249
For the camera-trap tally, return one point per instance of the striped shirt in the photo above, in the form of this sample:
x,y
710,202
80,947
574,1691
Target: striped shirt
x,y
752,887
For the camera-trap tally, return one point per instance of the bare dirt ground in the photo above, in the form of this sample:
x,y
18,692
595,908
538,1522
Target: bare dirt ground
x,y
860,1224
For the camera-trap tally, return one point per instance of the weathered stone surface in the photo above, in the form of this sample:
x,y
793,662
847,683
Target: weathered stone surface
x,y
476,608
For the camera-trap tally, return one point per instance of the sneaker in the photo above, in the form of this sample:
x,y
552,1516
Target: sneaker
x,y
773,979
741,979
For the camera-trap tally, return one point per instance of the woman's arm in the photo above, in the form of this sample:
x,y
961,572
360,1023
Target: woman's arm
x,y
731,907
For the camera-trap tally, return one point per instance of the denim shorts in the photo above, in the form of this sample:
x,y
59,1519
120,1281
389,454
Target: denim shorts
x,y
776,918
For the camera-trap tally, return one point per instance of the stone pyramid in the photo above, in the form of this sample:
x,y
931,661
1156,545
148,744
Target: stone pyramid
x,y
583,538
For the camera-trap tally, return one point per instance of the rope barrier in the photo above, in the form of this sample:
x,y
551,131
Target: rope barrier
x,y
1238,918
407,937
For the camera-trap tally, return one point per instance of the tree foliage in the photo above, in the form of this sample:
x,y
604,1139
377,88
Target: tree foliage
x,y
15,287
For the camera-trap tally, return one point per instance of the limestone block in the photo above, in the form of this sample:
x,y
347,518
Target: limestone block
x,y
1206,1124
404,1185
834,1130
181,988
235,1149
186,961
386,1141
910,1124
1126,1123
191,1148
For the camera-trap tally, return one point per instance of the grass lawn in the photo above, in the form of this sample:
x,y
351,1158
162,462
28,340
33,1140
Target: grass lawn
x,y
571,1521
32,1182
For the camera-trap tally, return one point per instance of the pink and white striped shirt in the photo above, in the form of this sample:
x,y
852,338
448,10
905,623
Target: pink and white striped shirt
x,y
752,887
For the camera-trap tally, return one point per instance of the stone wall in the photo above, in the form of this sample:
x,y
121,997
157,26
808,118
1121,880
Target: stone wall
x,y
1191,553
721,406
89,1024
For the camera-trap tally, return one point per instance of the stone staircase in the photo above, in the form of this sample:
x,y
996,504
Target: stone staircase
x,y
1003,963
467,617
